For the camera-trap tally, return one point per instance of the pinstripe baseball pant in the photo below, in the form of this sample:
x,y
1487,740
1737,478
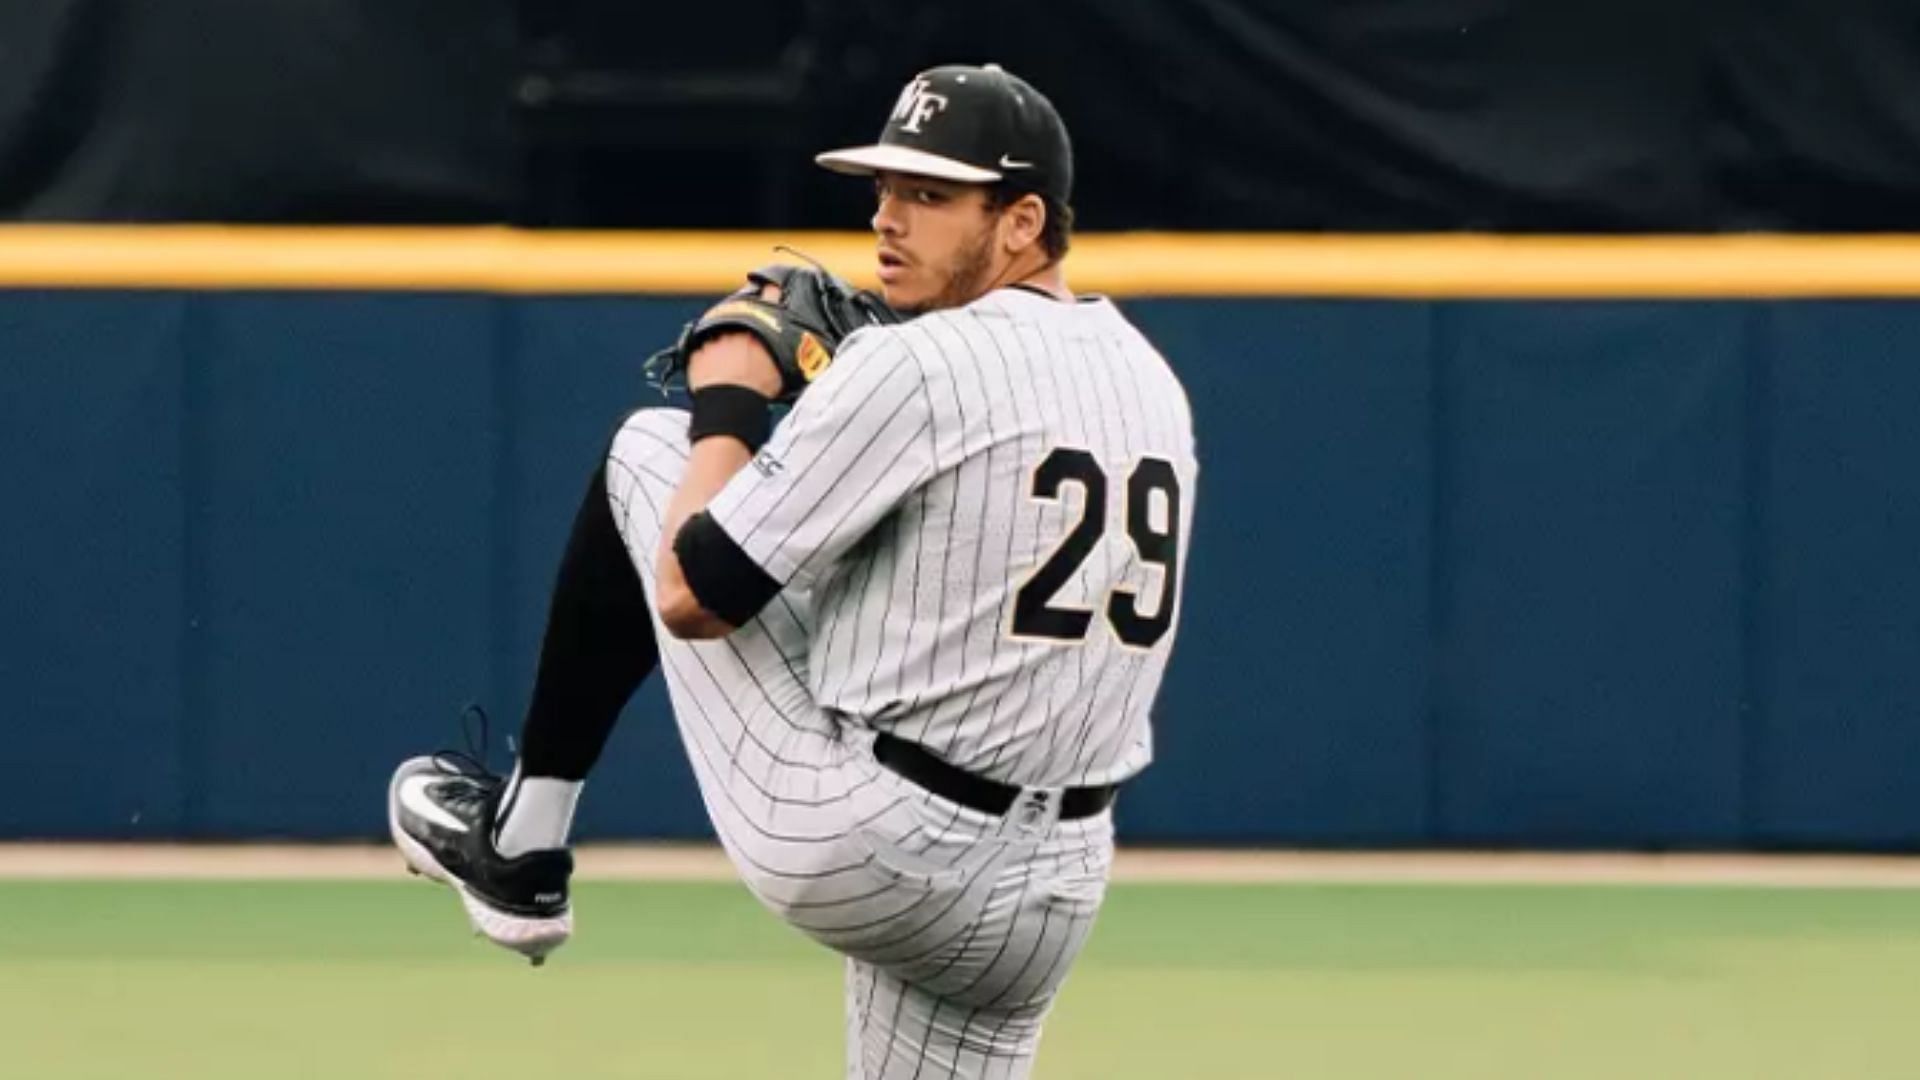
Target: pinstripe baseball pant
x,y
959,927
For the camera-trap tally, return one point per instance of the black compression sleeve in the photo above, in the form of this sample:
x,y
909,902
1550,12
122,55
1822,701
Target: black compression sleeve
x,y
724,579
598,648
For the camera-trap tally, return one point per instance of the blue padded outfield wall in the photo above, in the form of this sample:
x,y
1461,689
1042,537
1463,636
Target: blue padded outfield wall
x,y
1568,573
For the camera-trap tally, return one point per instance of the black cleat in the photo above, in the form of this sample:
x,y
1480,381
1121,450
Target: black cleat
x,y
441,811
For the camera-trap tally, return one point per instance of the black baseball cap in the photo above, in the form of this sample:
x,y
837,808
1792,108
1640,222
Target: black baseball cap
x,y
976,125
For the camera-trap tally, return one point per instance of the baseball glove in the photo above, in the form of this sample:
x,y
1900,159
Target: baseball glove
x,y
801,328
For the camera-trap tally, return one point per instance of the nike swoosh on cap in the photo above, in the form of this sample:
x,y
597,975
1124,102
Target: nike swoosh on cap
x,y
413,796
1008,163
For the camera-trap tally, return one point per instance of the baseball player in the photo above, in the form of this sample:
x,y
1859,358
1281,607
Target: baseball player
x,y
912,632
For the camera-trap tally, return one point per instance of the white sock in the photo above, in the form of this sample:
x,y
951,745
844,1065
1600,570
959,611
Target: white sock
x,y
536,814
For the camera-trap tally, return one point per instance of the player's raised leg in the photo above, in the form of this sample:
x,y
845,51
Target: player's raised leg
x,y
783,781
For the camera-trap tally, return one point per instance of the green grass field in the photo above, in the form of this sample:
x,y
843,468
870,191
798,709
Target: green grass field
x,y
374,979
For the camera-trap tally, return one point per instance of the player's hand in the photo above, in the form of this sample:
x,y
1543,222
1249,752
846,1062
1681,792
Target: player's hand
x,y
739,359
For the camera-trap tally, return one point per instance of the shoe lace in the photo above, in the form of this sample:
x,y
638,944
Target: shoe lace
x,y
471,763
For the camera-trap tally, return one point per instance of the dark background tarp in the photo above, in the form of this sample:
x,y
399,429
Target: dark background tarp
x,y
257,110
1200,114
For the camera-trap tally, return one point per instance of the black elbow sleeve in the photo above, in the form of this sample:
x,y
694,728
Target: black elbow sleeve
x,y
724,579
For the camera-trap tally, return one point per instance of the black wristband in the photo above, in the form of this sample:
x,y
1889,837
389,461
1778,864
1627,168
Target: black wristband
x,y
728,409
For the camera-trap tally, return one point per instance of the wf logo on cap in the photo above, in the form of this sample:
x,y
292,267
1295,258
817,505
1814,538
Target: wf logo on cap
x,y
917,105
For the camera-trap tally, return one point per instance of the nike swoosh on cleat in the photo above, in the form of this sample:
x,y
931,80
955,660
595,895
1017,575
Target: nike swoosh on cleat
x,y
413,796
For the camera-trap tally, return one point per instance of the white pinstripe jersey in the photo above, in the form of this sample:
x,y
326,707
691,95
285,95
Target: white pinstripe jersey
x,y
989,506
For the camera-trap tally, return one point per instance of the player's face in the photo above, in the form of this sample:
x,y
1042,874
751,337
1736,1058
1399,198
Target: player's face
x,y
936,241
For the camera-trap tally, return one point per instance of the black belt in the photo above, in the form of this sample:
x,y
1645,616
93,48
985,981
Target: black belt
x,y
977,792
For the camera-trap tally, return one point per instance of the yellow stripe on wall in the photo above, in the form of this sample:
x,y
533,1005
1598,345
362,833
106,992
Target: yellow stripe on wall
x,y
501,260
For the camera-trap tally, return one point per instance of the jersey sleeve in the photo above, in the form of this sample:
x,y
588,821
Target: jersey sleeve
x,y
854,445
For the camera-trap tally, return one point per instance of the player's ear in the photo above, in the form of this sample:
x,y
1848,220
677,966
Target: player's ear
x,y
1022,223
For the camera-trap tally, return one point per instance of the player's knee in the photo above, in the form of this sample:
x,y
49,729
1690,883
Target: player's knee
x,y
654,438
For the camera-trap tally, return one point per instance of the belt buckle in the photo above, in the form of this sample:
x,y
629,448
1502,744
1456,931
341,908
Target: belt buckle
x,y
1035,811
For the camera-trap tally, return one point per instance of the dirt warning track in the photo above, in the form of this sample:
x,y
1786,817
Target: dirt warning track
x,y
695,862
